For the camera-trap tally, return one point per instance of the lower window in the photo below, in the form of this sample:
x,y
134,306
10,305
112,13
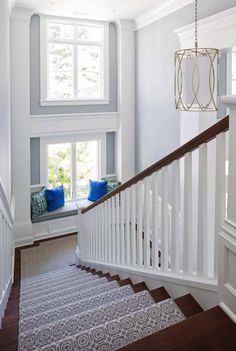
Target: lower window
x,y
72,164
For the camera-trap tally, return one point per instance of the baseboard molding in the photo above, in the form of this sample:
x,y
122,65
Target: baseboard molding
x,y
228,311
46,235
22,233
4,300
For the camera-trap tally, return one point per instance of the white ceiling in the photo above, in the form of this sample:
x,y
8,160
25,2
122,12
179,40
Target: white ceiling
x,y
93,9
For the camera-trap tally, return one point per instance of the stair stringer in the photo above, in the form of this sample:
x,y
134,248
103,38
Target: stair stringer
x,y
204,291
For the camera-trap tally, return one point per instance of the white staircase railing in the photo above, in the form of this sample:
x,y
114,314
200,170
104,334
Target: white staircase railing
x,y
6,251
131,227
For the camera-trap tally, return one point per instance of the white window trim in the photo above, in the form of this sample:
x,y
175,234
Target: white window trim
x,y
102,153
44,101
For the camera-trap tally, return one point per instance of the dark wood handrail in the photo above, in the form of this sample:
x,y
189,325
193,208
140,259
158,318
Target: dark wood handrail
x,y
205,137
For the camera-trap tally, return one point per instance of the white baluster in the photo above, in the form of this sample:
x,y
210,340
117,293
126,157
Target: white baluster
x,y
118,232
127,225
140,224
175,264
220,202
155,216
109,230
147,223
113,237
95,233
99,233
202,211
122,226
187,232
1,256
133,226
102,232
164,220
106,230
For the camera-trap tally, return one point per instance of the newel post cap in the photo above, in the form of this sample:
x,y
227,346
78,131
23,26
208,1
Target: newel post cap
x,y
229,101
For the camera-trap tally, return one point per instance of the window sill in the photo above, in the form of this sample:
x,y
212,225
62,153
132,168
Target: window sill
x,y
72,102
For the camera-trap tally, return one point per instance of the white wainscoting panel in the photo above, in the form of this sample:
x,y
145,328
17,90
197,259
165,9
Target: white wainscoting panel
x,y
227,275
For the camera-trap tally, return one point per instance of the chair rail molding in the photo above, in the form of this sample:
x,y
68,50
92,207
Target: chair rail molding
x,y
213,31
162,10
227,236
59,124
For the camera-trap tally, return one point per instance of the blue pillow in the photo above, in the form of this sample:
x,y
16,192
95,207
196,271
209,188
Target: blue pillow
x,y
97,189
55,198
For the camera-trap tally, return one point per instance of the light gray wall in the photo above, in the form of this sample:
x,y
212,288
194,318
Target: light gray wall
x,y
157,121
110,153
35,107
35,157
34,161
5,117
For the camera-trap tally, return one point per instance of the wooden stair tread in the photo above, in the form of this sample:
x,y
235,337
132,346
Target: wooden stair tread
x,y
159,294
124,282
188,305
140,287
113,277
207,331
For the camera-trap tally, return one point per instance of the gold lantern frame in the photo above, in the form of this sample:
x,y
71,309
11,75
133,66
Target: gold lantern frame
x,y
196,105
213,84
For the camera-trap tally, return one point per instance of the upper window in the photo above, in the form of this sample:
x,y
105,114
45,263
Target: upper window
x,y
74,62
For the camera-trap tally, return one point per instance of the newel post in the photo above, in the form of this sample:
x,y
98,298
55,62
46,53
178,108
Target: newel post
x,y
227,236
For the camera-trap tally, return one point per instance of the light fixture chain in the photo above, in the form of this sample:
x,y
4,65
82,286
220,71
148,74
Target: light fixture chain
x,y
196,23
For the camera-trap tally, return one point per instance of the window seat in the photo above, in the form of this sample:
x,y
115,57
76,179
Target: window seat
x,y
83,203
69,209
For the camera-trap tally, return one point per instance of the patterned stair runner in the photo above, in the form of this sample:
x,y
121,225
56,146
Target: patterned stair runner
x,y
70,309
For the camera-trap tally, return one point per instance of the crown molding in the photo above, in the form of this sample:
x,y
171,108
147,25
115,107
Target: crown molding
x,y
21,14
218,30
11,4
162,10
123,25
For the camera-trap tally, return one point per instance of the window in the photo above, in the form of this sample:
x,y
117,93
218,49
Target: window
x,y
74,62
73,163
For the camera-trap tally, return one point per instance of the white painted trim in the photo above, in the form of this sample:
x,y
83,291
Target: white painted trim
x,y
229,101
53,125
123,25
104,43
205,284
227,248
21,14
3,302
11,4
22,233
214,31
74,102
228,311
6,204
162,10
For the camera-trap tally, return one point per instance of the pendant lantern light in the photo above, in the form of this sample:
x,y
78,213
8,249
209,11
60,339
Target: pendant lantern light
x,y
196,76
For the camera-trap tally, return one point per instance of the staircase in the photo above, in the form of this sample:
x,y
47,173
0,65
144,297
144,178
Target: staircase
x,y
78,308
